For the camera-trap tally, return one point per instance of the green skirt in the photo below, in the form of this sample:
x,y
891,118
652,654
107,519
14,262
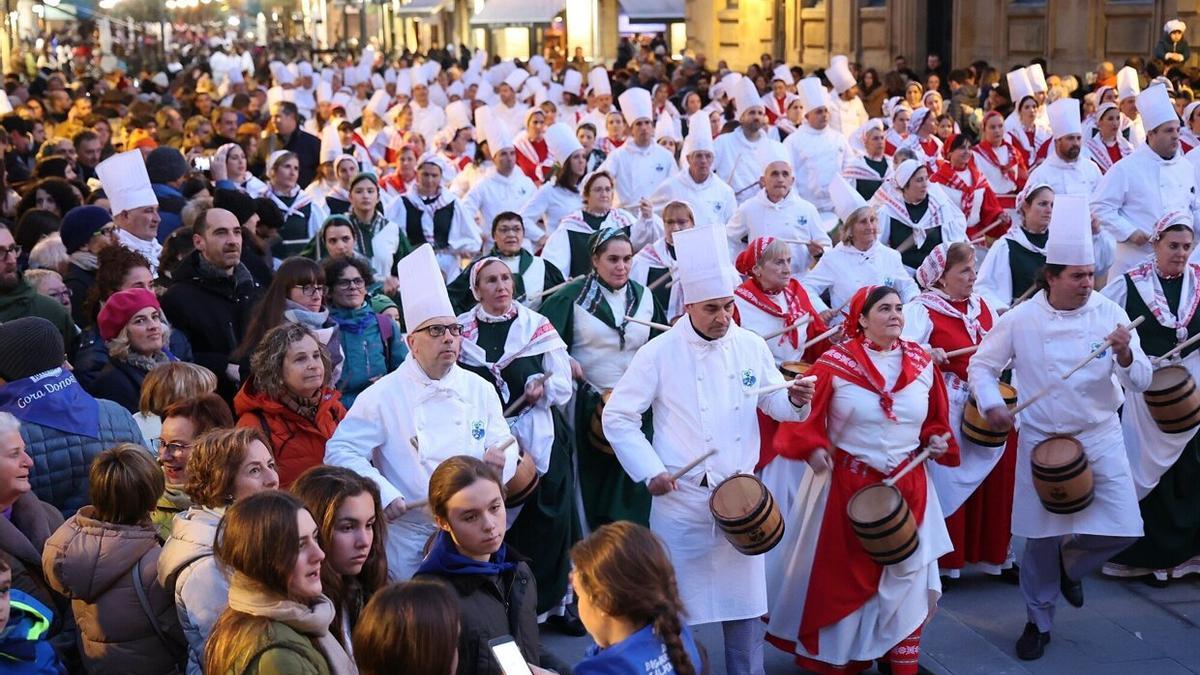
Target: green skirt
x,y
608,493
1170,516
548,525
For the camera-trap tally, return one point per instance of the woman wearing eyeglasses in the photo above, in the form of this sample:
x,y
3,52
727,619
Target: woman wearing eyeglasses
x,y
591,316
183,422
371,342
297,294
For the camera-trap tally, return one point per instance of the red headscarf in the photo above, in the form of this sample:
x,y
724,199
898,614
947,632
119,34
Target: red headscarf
x,y
747,259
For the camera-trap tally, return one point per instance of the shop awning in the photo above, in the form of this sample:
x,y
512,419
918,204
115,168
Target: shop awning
x,y
419,8
518,12
643,11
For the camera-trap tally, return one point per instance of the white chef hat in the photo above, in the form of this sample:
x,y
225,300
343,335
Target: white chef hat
x,y
1154,107
636,104
1127,83
699,138
1174,25
846,200
422,288
340,99
839,74
458,115
327,74
416,78
773,152
498,135
783,74
1064,117
431,70
572,81
1019,85
704,268
561,142
404,82
331,143
813,94
389,76
598,83
379,102
665,128
516,78
377,82
727,85
745,96
1070,241
1037,78
324,91
305,68
125,181
235,75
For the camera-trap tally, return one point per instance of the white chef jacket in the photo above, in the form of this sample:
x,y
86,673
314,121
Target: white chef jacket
x,y
557,250
740,162
844,269
464,238
496,194
638,171
427,120
549,204
513,118
994,282
1136,192
1066,178
1042,344
703,395
712,201
846,117
817,156
789,218
398,431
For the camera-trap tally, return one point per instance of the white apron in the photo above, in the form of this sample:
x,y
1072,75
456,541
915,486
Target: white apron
x,y
1151,451
956,484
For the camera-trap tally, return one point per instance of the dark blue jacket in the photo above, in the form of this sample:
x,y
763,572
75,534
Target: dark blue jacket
x,y
170,209
24,646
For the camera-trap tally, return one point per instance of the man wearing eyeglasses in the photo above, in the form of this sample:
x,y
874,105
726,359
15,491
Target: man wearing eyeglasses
x,y
19,299
424,412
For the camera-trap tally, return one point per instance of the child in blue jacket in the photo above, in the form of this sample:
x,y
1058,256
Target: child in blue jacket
x,y
24,622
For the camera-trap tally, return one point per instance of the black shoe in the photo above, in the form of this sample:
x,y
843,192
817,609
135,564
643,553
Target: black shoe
x,y
1011,575
567,623
1071,590
1032,643
1154,582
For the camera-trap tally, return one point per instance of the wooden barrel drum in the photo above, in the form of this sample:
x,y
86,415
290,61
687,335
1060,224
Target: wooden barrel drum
x,y
794,369
596,427
883,522
1173,400
975,425
523,483
1061,475
747,513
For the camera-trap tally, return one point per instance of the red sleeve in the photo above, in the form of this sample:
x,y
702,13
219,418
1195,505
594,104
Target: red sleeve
x,y
798,440
989,211
815,328
937,420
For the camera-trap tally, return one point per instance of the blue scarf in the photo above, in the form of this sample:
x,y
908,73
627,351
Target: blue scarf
x,y
444,558
52,399
354,320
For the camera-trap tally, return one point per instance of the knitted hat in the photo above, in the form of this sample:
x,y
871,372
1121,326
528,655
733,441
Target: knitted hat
x,y
28,346
240,204
81,224
165,165
120,308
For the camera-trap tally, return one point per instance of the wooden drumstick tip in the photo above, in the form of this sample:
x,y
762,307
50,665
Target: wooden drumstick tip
x,y
692,464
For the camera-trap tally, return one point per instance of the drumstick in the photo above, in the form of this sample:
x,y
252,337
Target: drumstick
x,y
1103,345
659,281
409,506
797,242
960,352
782,385
652,324
1178,348
916,461
554,288
803,320
820,337
983,233
1024,296
692,464
512,408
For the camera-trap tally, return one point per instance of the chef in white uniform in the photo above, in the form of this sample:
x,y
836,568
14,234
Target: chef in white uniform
x,y
640,165
817,150
1154,179
846,111
1041,340
777,211
701,380
741,155
711,198
427,410
504,186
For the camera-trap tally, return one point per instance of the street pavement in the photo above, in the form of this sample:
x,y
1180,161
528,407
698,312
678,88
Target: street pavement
x,y
1125,627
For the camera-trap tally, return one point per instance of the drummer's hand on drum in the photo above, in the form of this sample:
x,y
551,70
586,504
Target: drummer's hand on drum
x,y
999,418
800,392
533,391
1119,340
819,461
938,445
661,484
939,356
494,457
396,509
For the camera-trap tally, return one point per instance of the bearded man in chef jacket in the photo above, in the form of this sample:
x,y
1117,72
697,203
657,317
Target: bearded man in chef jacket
x,y
702,379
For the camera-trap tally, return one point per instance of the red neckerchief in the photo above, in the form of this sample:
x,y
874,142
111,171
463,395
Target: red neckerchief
x,y
1011,169
947,175
753,293
849,361
972,309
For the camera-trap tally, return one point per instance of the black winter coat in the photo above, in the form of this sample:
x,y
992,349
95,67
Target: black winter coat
x,y
120,383
213,311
